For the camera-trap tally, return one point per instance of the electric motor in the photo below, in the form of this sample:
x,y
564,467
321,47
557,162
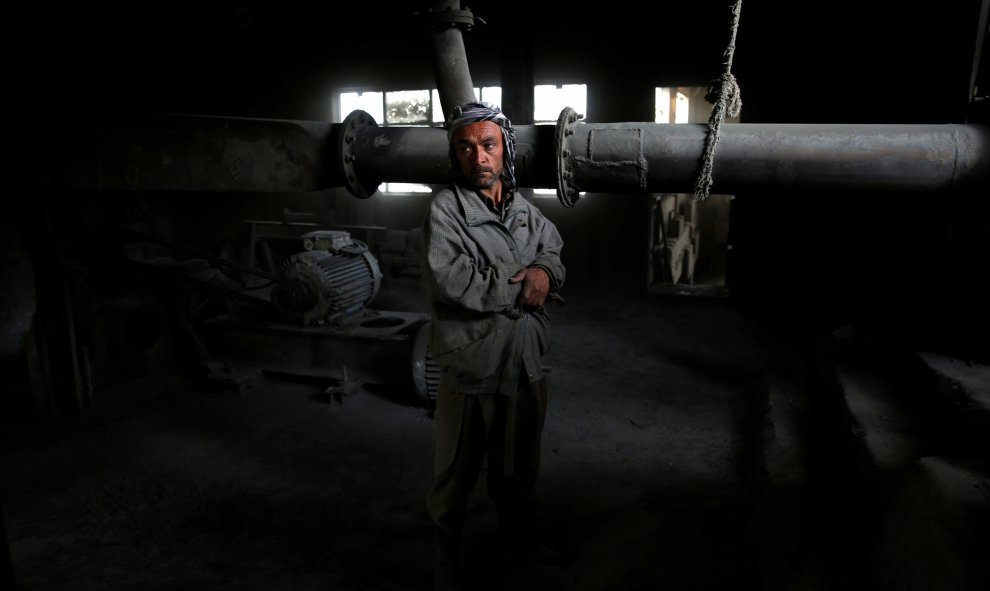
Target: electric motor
x,y
334,278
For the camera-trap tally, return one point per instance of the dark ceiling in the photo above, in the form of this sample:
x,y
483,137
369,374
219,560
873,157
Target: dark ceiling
x,y
111,56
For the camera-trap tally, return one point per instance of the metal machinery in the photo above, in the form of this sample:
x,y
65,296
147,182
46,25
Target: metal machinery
x,y
675,243
334,277
321,325
310,318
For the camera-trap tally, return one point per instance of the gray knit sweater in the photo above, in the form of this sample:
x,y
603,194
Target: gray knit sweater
x,y
480,339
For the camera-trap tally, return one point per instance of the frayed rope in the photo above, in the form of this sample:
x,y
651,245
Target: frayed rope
x,y
725,95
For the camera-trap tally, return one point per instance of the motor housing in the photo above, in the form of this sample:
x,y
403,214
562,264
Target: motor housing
x,y
334,278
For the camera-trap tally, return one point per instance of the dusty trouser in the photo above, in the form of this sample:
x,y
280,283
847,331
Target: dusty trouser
x,y
471,428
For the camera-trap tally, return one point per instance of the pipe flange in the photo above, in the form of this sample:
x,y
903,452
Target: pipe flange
x,y
352,128
567,192
450,18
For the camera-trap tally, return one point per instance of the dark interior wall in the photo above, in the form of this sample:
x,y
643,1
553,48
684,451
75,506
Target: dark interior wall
x,y
907,262
851,62
839,63
827,256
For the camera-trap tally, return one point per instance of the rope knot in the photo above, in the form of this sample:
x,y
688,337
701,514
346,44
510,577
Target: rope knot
x,y
726,87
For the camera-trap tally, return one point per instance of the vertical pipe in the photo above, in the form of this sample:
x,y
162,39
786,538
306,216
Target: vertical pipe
x,y
450,66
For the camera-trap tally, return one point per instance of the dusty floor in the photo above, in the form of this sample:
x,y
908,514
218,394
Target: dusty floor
x,y
178,484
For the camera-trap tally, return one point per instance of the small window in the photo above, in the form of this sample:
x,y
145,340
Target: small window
x,y
369,102
672,106
408,107
407,188
548,102
489,94
684,104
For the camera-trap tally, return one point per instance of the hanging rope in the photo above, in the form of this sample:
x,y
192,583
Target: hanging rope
x,y
724,94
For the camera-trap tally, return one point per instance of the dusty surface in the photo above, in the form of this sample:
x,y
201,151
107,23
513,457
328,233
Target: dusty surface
x,y
175,484
973,378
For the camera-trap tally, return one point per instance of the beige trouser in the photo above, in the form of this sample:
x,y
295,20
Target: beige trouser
x,y
470,428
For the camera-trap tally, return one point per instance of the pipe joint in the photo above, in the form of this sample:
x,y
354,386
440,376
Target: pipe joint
x,y
442,19
567,191
353,129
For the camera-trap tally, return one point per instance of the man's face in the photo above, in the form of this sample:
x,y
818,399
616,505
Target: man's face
x,y
478,147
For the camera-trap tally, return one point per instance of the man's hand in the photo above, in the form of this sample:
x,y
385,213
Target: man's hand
x,y
535,285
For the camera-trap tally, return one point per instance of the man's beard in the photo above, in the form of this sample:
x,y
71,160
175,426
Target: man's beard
x,y
483,183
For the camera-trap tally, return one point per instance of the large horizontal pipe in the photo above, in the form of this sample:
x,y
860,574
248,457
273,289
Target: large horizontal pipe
x,y
165,152
657,158
660,158
221,154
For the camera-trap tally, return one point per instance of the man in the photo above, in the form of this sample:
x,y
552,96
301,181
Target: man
x,y
490,262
